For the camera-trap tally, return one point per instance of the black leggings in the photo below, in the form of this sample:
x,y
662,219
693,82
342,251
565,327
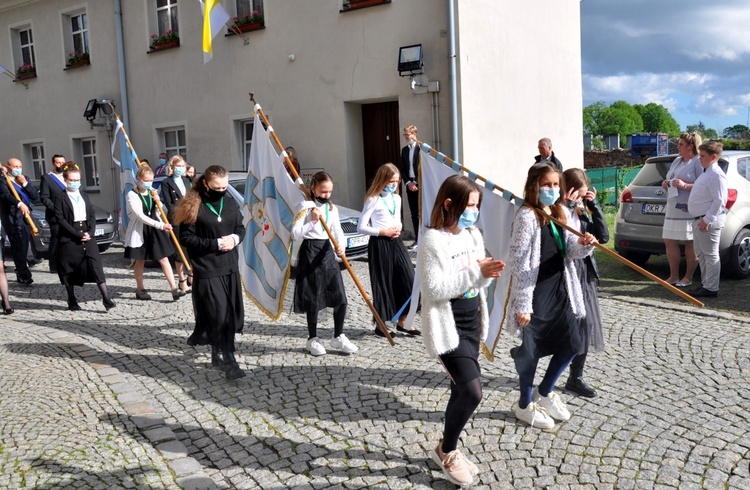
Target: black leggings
x,y
339,315
464,400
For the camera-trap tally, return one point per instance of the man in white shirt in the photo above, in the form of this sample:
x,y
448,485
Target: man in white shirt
x,y
707,206
409,168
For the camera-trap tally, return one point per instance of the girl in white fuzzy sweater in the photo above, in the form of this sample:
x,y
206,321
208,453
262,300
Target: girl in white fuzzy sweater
x,y
454,273
546,306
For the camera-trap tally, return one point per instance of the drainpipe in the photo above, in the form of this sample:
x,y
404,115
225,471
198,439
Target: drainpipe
x,y
453,82
121,66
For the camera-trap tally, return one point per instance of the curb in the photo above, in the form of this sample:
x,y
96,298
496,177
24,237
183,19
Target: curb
x,y
683,308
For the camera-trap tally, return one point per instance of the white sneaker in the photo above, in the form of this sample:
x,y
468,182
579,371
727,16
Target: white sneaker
x,y
553,404
534,415
315,346
344,344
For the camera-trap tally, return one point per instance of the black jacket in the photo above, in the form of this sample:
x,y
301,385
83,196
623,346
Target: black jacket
x,y
557,163
48,191
64,218
594,222
9,211
403,167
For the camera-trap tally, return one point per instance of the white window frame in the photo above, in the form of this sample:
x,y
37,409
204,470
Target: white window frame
x,y
89,164
17,47
66,17
82,32
240,8
33,163
170,5
177,148
28,46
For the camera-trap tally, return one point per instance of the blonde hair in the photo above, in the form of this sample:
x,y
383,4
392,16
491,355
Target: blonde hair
x,y
382,176
692,139
172,162
411,129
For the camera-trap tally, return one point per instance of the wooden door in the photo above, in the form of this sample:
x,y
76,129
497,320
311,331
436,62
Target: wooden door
x,y
381,136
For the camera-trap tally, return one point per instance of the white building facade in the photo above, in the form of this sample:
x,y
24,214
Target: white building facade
x,y
324,71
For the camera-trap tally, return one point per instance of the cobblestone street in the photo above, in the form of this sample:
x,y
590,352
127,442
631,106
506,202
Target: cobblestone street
x,y
92,399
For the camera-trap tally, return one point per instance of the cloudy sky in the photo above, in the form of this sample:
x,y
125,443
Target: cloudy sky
x,y
691,56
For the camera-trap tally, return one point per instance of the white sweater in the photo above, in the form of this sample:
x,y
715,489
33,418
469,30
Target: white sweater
x,y
441,283
134,234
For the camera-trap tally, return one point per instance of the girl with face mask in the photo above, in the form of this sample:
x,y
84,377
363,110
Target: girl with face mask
x,y
147,237
172,189
546,306
78,255
211,229
455,273
391,270
319,284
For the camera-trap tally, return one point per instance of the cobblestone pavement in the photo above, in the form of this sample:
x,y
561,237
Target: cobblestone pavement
x,y
92,399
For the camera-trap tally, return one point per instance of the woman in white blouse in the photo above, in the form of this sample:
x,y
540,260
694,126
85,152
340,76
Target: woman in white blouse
x,y
391,270
78,253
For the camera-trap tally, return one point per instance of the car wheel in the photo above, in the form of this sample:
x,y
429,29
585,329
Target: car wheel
x,y
738,265
638,258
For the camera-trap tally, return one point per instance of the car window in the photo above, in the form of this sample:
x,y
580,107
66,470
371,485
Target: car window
x,y
652,173
239,185
742,167
724,165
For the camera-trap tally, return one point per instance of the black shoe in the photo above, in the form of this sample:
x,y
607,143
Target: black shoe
x,y
413,331
218,360
34,262
578,385
380,333
233,369
73,305
108,303
703,293
8,311
25,282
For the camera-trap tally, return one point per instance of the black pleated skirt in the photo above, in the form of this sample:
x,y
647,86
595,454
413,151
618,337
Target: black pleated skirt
x,y
157,244
79,263
391,275
319,284
218,307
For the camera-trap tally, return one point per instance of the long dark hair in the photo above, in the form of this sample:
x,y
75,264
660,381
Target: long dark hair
x,y
319,178
187,208
457,188
531,192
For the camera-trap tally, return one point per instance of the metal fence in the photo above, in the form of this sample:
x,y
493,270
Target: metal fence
x,y
610,181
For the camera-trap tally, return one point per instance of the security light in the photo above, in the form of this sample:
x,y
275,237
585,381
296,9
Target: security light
x,y
410,60
90,112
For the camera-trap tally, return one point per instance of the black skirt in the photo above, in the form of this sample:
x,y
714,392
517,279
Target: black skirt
x,y
391,275
157,244
79,262
218,308
318,284
462,363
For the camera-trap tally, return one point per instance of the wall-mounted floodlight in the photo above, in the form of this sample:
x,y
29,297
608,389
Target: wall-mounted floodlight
x,y
104,105
410,60
90,112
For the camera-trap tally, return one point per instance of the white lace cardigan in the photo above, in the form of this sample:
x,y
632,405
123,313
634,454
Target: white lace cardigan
x,y
440,284
523,262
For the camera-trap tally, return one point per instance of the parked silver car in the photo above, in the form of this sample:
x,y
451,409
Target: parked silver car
x,y
639,220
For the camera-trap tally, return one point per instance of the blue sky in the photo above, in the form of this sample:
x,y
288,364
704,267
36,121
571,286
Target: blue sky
x,y
691,56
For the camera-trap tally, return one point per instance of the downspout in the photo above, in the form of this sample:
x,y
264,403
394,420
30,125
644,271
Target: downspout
x,y
452,78
121,66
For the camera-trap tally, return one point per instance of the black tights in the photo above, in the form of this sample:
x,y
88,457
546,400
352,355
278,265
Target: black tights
x,y
464,400
339,315
72,296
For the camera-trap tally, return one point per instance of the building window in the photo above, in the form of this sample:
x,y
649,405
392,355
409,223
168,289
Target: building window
x,y
246,140
33,153
90,169
166,17
26,45
76,36
79,29
174,142
247,7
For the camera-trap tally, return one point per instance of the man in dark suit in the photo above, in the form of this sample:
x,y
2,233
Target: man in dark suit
x,y
13,214
547,155
409,168
52,185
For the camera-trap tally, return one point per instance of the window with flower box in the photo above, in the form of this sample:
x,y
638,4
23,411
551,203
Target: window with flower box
x,y
248,15
23,51
164,25
348,5
76,32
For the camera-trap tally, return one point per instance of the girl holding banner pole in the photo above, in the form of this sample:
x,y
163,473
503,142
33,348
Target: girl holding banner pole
x,y
455,273
391,270
546,306
172,189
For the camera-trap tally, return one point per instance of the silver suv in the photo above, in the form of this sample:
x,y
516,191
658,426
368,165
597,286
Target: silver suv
x,y
640,217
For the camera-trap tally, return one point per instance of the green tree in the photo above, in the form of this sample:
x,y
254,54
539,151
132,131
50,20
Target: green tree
x,y
591,117
735,131
620,118
657,119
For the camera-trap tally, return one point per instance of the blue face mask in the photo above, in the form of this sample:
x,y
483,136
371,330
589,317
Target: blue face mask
x,y
467,219
548,195
390,189
16,172
147,185
162,161
179,171
74,186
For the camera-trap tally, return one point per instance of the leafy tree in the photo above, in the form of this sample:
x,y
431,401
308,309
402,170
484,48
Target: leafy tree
x,y
735,131
657,119
591,118
701,129
620,118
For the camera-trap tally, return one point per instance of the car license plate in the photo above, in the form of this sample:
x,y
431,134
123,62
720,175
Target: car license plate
x,y
99,232
653,208
357,241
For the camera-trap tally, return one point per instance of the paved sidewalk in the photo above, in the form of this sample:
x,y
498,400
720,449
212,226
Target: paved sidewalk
x,y
118,400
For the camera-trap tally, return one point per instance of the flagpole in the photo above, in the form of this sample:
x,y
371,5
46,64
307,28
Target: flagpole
x,y
515,199
154,194
348,266
29,219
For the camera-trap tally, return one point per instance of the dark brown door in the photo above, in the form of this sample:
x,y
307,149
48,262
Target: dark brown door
x,y
381,136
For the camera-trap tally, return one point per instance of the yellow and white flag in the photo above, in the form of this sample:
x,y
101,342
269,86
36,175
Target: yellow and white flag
x,y
214,18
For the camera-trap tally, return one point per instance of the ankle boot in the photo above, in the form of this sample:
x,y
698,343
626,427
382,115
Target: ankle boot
x,y
108,303
218,359
577,385
233,370
73,305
